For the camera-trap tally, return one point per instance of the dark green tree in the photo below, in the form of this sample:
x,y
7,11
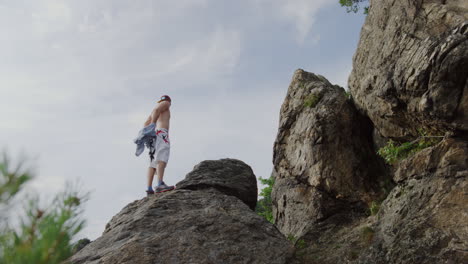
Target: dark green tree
x,y
354,5
11,180
45,233
264,205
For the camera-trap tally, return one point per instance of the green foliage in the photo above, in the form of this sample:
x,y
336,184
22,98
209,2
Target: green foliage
x,y
312,100
264,205
298,243
301,244
80,244
45,233
393,152
11,180
348,94
386,186
353,5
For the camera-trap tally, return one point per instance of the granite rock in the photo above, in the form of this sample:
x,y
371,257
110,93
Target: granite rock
x,y
196,223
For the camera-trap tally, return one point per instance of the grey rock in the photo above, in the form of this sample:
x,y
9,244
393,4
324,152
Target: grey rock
x,y
232,177
324,159
199,225
326,211
449,158
411,67
425,218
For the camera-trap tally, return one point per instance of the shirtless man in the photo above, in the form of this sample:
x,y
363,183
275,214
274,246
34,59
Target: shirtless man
x,y
160,116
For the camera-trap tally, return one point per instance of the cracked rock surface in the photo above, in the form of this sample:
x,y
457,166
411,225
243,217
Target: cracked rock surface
x,y
192,225
324,160
411,67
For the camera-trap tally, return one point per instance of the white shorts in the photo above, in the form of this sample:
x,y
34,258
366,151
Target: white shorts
x,y
162,147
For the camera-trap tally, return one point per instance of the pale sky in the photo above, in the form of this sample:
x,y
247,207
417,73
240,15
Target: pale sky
x,y
79,78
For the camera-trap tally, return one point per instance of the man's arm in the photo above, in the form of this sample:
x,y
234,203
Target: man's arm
x,y
148,121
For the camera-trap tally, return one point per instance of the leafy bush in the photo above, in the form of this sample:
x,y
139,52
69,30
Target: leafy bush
x,y
353,5
312,100
264,205
45,234
393,152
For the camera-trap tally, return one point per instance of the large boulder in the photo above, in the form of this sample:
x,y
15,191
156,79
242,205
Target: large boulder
x,y
230,176
324,159
411,67
203,221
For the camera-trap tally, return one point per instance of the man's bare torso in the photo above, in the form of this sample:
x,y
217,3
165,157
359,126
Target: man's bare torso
x,y
160,116
163,120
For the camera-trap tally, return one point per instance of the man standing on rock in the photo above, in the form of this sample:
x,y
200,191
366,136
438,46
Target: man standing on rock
x,y
160,116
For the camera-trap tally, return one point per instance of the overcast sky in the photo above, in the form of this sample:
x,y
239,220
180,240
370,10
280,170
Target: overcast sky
x,y
79,78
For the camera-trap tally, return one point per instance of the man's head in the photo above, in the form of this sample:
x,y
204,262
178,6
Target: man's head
x,y
165,98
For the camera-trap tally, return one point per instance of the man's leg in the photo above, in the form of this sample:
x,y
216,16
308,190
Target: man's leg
x,y
162,187
161,169
151,172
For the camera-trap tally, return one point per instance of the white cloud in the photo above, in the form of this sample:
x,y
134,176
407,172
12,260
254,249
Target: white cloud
x,y
78,79
301,13
51,16
216,53
102,51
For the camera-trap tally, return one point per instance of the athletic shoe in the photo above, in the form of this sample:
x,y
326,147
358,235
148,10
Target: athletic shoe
x,y
148,192
164,188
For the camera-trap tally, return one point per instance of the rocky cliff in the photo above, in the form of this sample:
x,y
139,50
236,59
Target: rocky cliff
x,y
207,219
334,195
411,66
324,161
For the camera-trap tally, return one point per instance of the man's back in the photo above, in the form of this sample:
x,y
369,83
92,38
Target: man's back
x,y
163,120
160,116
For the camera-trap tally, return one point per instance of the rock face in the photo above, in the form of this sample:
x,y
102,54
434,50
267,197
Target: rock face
x,y
324,161
425,218
411,67
332,193
207,219
410,72
242,186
